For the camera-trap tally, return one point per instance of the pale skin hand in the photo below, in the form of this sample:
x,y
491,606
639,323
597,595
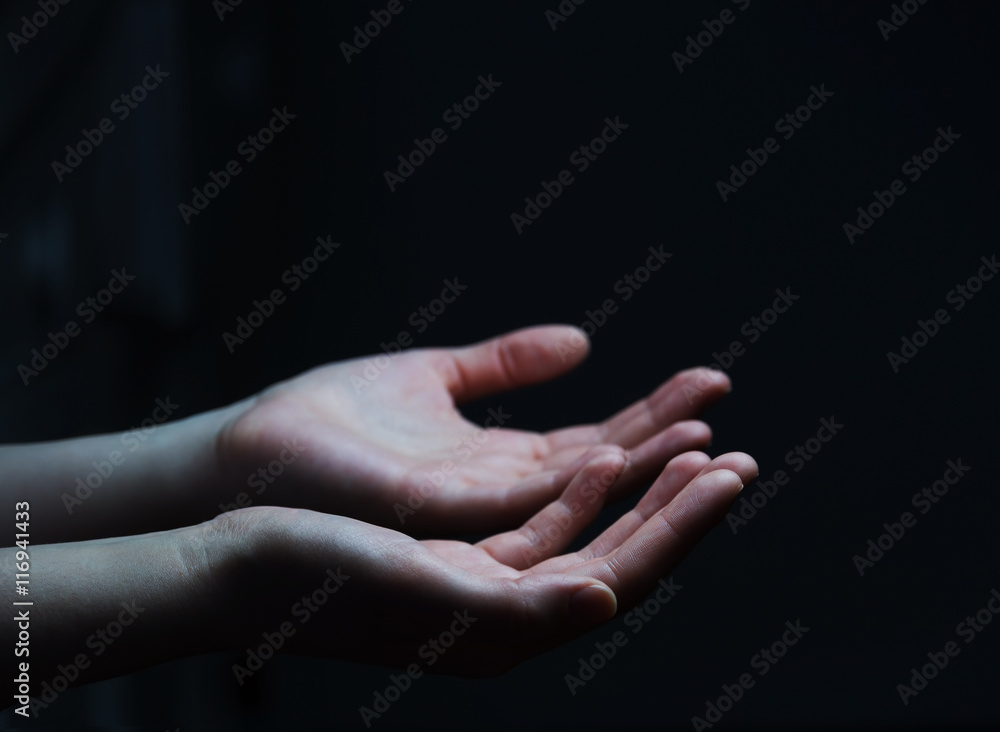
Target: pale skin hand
x,y
397,593
369,446
222,584
365,452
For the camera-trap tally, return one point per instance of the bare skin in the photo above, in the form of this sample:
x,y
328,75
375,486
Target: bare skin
x,y
357,480
374,445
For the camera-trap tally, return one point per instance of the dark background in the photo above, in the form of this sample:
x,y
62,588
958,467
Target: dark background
x,y
654,186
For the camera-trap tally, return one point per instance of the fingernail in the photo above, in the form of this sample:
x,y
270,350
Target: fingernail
x,y
736,495
592,605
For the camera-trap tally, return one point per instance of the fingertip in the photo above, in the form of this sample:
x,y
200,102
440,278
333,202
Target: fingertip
x,y
592,605
572,334
698,432
599,475
571,342
608,457
743,465
752,470
575,332
700,387
726,486
714,376
519,358
692,460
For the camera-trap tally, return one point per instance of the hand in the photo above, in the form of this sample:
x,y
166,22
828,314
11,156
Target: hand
x,y
503,600
368,448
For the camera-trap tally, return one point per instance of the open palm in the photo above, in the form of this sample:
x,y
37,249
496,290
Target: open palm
x,y
394,450
504,599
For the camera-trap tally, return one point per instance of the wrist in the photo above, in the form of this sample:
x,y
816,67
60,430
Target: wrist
x,y
201,438
185,474
236,577
154,591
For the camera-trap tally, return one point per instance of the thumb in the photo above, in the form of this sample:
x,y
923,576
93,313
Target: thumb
x,y
592,605
516,619
515,359
563,606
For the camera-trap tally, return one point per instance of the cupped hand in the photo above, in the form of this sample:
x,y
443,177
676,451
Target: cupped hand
x,y
387,445
353,591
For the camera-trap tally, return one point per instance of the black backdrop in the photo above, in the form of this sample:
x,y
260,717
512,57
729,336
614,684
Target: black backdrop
x,y
889,92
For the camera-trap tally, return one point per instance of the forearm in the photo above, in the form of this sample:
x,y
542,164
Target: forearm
x,y
147,479
107,607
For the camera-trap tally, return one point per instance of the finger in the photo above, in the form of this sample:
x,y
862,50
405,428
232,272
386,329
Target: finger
x,y
658,546
650,456
552,529
684,396
678,473
514,619
648,460
492,506
516,359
